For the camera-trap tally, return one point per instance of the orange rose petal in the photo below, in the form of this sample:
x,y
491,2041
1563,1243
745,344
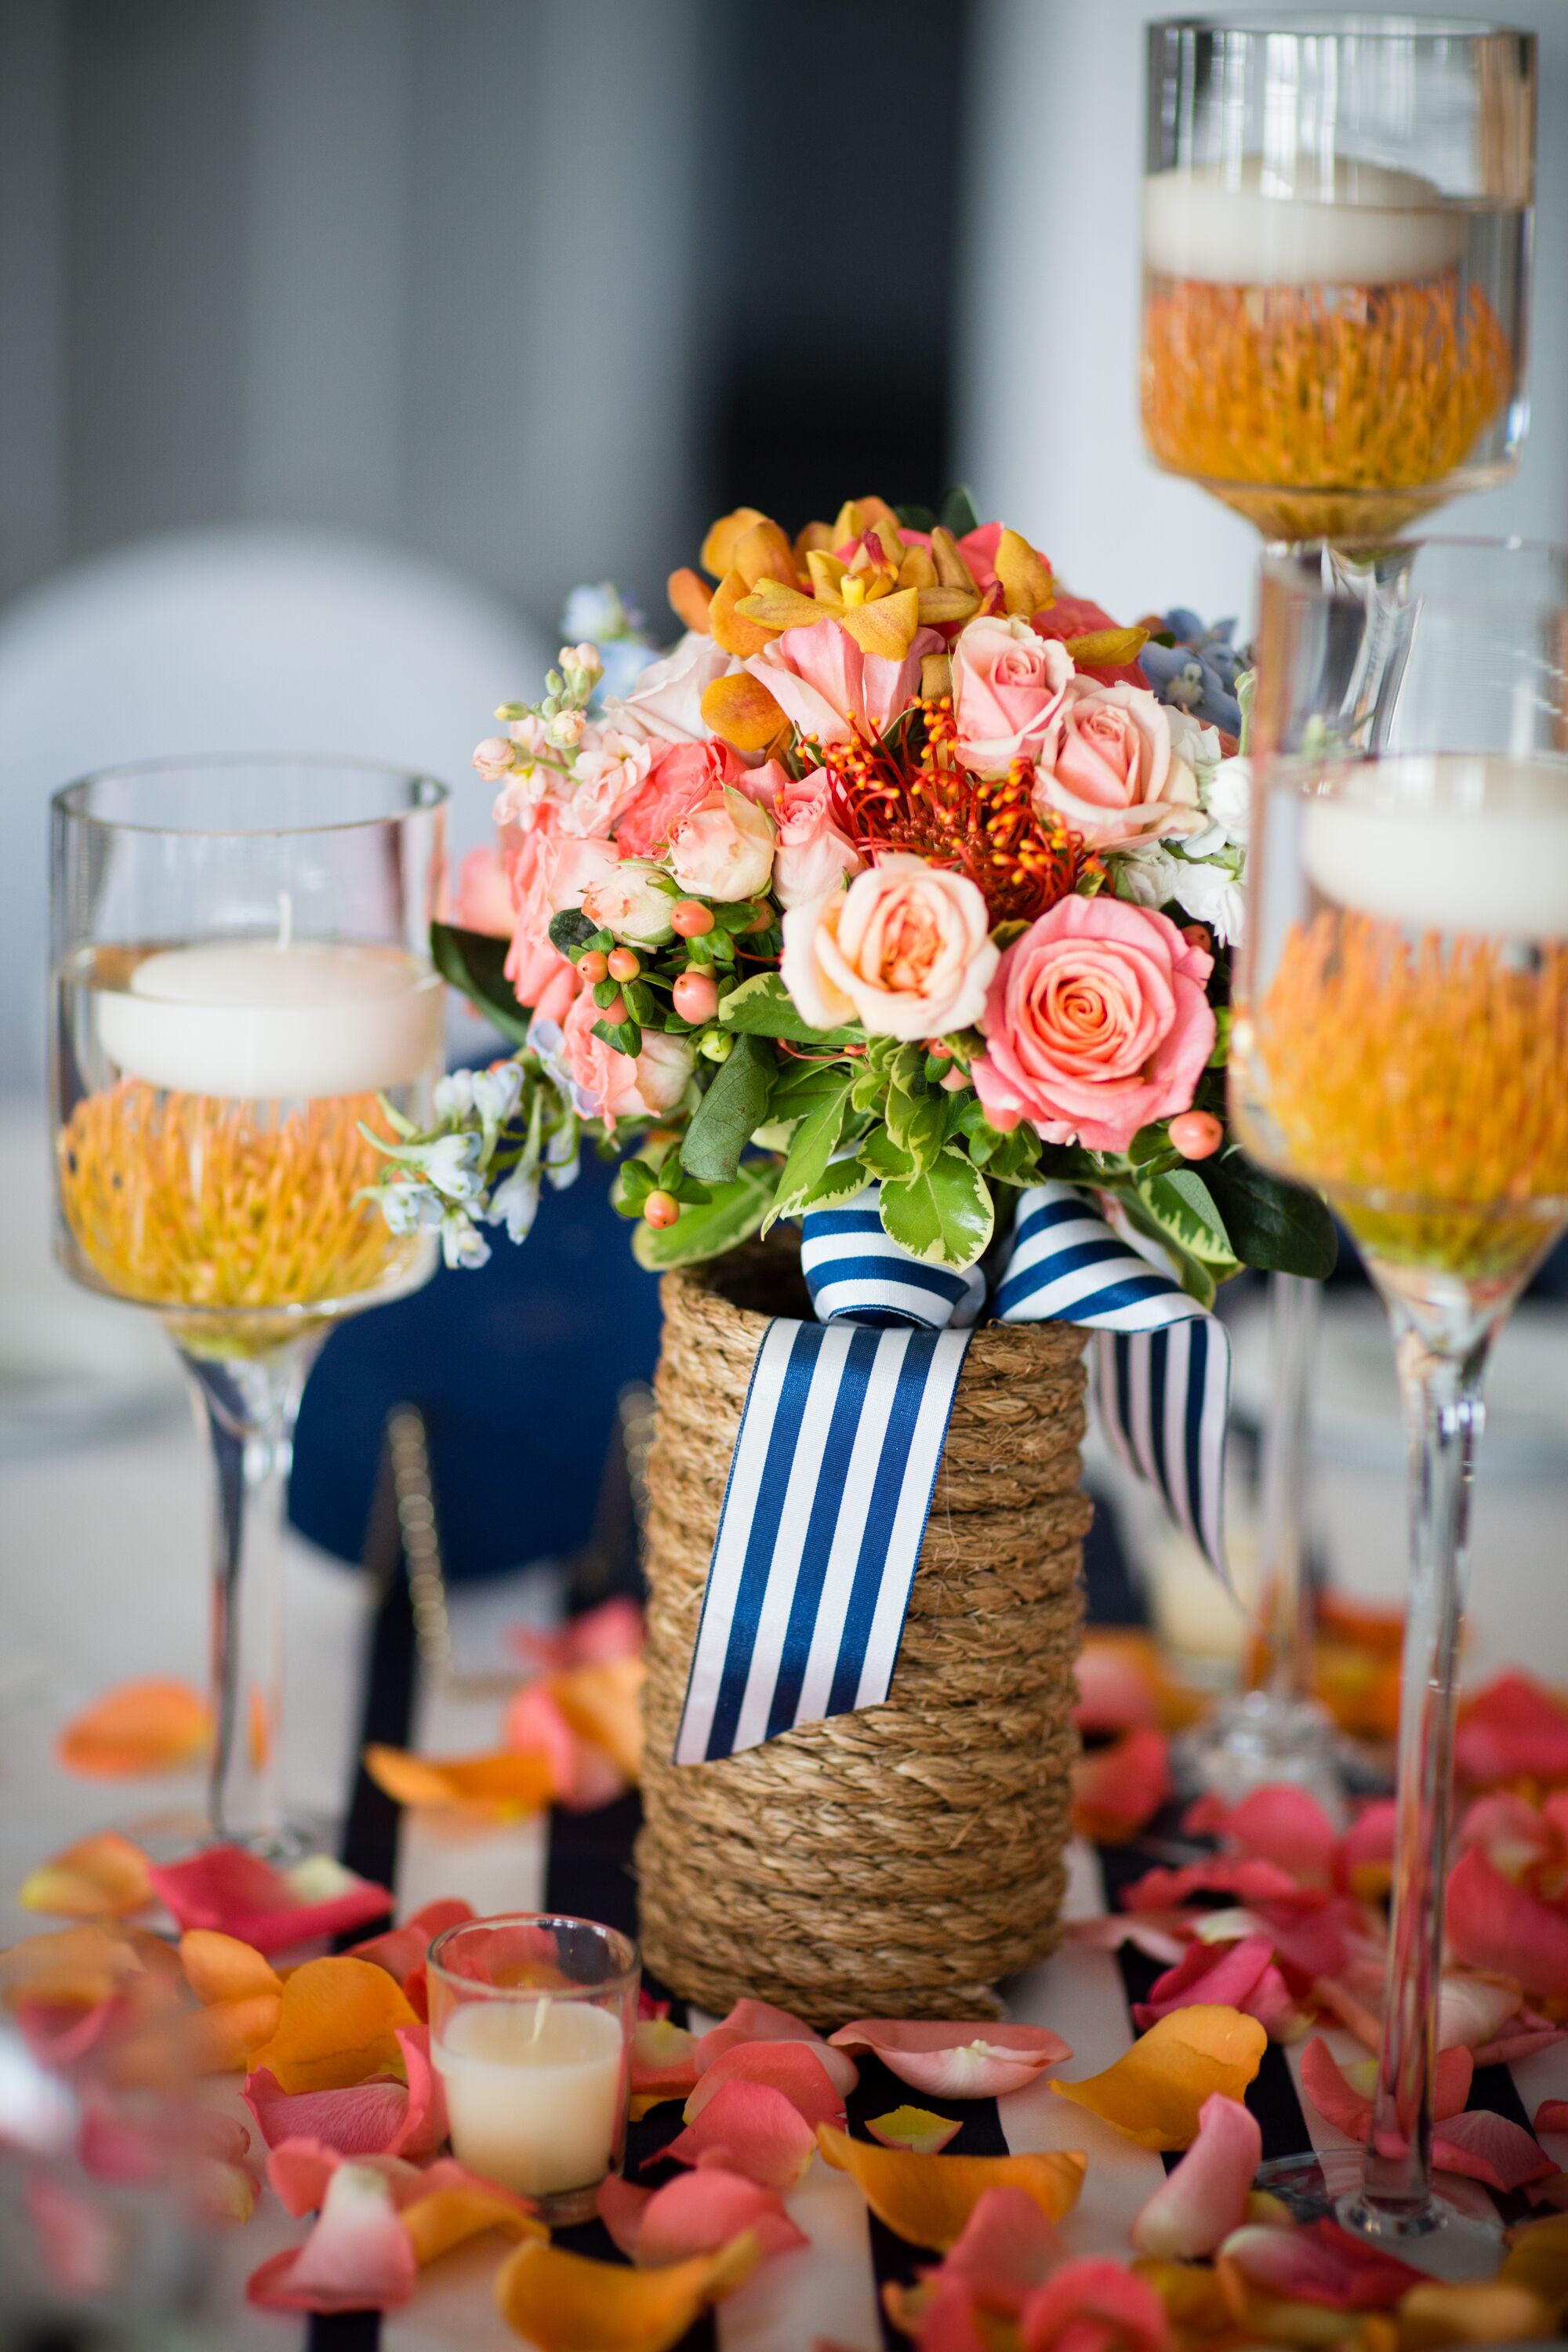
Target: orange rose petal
x,y
690,596
509,1783
212,2041
914,2129
929,2198
602,1702
565,2302
338,2025
742,713
725,536
79,1966
98,1877
1481,2310
455,2204
222,1968
1155,2093
153,1726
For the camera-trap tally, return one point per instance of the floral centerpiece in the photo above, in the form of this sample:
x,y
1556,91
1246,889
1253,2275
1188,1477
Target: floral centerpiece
x,y
896,869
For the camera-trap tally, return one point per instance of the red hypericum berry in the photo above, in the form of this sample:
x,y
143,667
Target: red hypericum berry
x,y
939,1050
593,966
761,921
696,996
614,1013
661,1209
1196,1134
691,919
623,964
953,1081
1198,935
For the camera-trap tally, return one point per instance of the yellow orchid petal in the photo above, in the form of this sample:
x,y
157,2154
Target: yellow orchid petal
x,y
742,713
918,569
936,676
929,2198
827,577
878,516
1025,576
337,2026
1155,2092
565,2303
849,523
98,1877
886,627
1107,648
770,606
510,1783
1481,2311
223,1968
941,606
718,547
765,554
689,597
816,538
603,1704
732,622
951,571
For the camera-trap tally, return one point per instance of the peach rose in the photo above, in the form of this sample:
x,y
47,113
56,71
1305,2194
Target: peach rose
x,y
906,950
539,974
1009,684
1109,770
820,679
612,1086
812,856
682,775
1096,1024
724,848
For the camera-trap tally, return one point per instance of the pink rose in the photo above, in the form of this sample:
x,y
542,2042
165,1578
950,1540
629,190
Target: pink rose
x,y
484,893
612,1086
820,679
611,769
666,703
906,950
539,974
812,856
572,866
724,848
682,775
1107,768
1007,686
1097,1024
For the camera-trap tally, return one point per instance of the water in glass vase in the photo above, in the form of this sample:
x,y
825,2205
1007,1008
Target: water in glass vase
x,y
212,1164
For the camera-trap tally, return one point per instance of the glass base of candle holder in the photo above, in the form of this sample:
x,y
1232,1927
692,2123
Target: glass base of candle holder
x,y
1458,2241
563,2209
178,1835
1255,1740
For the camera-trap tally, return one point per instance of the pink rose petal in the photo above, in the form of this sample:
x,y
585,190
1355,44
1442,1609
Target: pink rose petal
x,y
1119,1788
1489,2147
613,1630
1516,2043
1367,1850
1319,2262
960,2060
748,2128
359,2256
402,1950
1107,1931
1282,1824
1551,2115
1245,1876
1206,1972
792,2067
1493,1924
1513,1730
1203,2199
1092,2306
226,1888
1339,2103
381,2117
79,2240
664,2060
702,2210
1514,1832
621,2208
752,2021
1309,1941
1008,2246
300,2171
1114,1693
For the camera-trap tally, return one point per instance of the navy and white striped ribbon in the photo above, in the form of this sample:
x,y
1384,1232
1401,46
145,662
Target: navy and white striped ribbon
x,y
853,1268
1162,1361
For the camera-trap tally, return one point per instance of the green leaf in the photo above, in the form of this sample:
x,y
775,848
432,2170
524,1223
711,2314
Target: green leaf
x,y
942,1214
764,1007
1184,1212
733,1215
917,1123
868,1090
1274,1225
958,514
475,964
571,928
843,1180
734,1104
915,517
1015,1157
623,1036
1196,1278
882,1156
812,1146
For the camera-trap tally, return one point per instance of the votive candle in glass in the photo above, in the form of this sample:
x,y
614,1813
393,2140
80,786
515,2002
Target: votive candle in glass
x,y
531,2018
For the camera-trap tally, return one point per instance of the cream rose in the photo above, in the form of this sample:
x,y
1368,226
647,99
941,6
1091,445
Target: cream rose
x,y
629,903
1008,684
1108,767
905,950
724,848
666,703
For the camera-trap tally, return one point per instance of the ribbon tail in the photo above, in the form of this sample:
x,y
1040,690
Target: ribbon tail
x,y
1164,1399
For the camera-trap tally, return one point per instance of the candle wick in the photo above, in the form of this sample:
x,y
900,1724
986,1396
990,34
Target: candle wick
x,y
285,917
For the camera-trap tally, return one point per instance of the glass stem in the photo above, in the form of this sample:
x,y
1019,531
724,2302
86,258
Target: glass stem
x,y
247,1407
1294,1310
1443,1411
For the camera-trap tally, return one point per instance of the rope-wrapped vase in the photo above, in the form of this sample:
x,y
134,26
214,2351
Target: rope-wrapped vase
x,y
895,1860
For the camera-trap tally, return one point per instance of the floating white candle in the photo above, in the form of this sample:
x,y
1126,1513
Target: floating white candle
x,y
534,2091
1241,225
253,1019
1476,844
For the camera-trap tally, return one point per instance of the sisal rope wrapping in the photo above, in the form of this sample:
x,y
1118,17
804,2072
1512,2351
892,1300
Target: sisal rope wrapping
x,y
897,1861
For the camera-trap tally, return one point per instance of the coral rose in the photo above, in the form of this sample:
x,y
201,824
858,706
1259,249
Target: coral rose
x,y
1109,768
820,679
724,847
484,893
682,775
906,950
812,856
1008,684
611,1086
1097,1024
539,974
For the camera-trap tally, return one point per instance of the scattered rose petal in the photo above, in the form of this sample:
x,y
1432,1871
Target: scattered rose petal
x,y
98,1877
792,2068
700,2212
621,2208
1151,1934
1480,2311
1238,1976
1551,2115
1489,2147
603,1704
1309,1941
1093,2304
1155,2092
357,2258
1318,2262
1472,2009
929,2198
565,2302
78,2240
507,1785
664,2064
959,2060
749,2128
82,1965
941,2315
340,2021
1007,2246
1519,2042
1537,2259
1493,1924
915,2129
1193,2296
378,2118
582,1777
1282,1824
446,2204
1514,1729
226,1888
156,1725
1363,1866
1245,1876
1340,2102
1120,1788
1118,1689
401,1951
299,2170
613,1630
1514,1832
752,2021
223,1968
1204,2199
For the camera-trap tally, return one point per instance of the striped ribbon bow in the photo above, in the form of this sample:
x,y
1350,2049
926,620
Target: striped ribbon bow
x,y
842,1433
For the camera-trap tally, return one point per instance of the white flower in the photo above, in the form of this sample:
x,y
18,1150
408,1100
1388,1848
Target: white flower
x,y
1229,798
453,1096
1151,876
629,903
515,1202
1198,746
462,1244
450,1163
407,1207
497,1093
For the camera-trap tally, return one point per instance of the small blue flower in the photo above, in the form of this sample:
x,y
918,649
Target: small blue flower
x,y
1197,673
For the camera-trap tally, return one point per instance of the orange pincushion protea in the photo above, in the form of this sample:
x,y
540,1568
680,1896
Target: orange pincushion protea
x,y
1362,401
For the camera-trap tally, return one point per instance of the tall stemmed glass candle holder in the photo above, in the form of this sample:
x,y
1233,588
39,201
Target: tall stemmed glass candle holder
x,y
1336,274
1401,1043
242,988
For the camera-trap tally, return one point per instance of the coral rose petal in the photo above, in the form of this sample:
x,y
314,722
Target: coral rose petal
x,y
153,1726
759,2131
446,2204
1364,1861
956,2061
1115,1691
1551,2115
565,2302
602,1701
705,2210
621,2208
1493,1924
338,2026
98,1877
1155,2093
752,2021
1007,2246
1095,2304
1117,1789
363,2119
1285,1825
1229,1973
1514,1729
1204,2199
357,2258
792,2068
401,1950
1244,1876
509,1784
915,2129
226,1888
1318,2262
1489,2147
929,2198
1339,2103
225,1967
299,2171
613,1630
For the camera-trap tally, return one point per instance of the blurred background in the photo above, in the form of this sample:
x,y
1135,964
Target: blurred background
x,y
337,341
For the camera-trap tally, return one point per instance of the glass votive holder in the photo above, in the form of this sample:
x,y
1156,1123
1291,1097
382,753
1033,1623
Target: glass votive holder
x,y
532,2018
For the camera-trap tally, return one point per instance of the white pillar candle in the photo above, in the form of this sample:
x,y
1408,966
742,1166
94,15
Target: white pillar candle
x,y
1244,224
535,2091
249,1018
1476,844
